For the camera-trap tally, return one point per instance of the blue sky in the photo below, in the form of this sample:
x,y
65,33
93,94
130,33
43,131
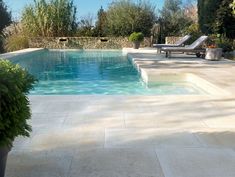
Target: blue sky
x,y
84,6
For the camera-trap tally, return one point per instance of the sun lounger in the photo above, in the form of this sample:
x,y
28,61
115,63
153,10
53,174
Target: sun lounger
x,y
195,47
177,44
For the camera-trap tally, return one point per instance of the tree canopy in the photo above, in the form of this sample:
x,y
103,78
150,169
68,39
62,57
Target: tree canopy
x,y
101,27
5,16
173,19
125,17
216,17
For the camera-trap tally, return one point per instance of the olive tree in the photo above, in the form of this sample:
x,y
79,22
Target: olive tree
x,y
50,18
173,17
125,17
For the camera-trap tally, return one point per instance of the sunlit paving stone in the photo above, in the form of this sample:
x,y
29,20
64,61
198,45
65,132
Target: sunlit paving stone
x,y
194,162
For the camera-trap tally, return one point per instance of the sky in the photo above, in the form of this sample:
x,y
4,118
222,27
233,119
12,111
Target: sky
x,y
84,7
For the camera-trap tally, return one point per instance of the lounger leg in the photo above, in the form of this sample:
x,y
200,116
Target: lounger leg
x,y
158,50
169,54
166,54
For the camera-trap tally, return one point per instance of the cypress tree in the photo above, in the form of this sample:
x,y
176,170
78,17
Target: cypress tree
x,y
207,10
101,23
225,20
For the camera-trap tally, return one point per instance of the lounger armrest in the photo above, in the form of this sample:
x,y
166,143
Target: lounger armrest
x,y
165,45
175,48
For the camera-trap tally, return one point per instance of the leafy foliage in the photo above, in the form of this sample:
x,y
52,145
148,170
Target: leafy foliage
x,y
125,16
15,38
15,83
172,19
136,37
16,42
225,20
207,14
5,17
194,31
50,18
85,26
224,43
101,27
215,16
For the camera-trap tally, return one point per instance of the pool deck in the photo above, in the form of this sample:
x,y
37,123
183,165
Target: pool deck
x,y
134,136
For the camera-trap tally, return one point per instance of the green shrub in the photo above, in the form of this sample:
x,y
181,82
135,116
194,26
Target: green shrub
x,y
16,42
136,37
15,84
226,46
51,18
224,43
194,31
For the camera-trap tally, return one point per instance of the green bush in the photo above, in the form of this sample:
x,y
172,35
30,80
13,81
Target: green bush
x,y
16,42
136,37
15,84
194,31
224,43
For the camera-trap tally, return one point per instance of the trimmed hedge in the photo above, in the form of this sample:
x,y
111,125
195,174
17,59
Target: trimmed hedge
x,y
15,84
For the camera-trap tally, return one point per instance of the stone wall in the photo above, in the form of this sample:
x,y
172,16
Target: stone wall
x,y
172,39
84,43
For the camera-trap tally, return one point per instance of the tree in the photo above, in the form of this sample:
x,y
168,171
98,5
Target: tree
x,y
225,20
85,26
5,17
207,10
172,19
101,26
191,11
125,17
50,18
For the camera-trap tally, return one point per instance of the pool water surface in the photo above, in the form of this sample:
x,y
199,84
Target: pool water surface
x,y
93,72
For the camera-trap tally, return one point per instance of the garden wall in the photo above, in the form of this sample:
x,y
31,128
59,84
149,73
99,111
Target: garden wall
x,y
84,43
172,39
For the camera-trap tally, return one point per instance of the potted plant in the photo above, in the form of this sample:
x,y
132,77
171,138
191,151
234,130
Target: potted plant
x,y
15,84
136,38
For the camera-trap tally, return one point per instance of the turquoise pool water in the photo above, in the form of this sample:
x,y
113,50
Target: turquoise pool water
x,y
92,72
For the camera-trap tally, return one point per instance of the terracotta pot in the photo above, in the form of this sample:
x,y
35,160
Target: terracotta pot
x,y
136,45
3,159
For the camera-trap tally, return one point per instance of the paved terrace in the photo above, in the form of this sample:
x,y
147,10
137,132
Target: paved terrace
x,y
134,136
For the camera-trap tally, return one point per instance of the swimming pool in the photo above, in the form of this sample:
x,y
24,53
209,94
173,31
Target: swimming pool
x,y
93,72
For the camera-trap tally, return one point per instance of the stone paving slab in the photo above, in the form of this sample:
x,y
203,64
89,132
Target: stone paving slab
x,y
158,119
195,162
137,138
38,164
115,163
220,138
